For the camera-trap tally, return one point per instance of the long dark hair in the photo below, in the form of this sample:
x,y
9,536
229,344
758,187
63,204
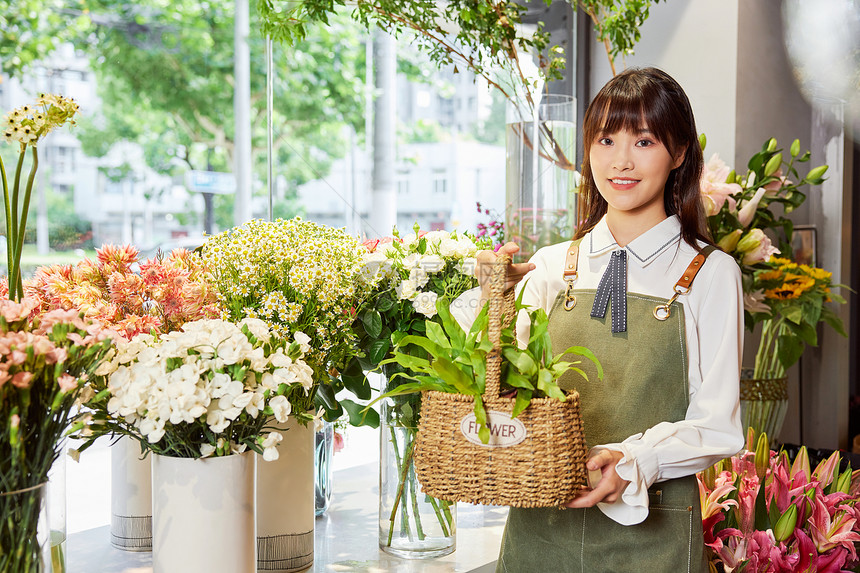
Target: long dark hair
x,y
651,96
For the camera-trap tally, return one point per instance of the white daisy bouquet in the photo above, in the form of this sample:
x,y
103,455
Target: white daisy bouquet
x,y
206,390
302,280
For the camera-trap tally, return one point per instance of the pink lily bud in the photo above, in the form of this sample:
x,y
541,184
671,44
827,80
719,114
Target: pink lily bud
x,y
756,247
747,212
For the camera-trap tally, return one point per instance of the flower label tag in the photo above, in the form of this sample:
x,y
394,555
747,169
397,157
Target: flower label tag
x,y
504,430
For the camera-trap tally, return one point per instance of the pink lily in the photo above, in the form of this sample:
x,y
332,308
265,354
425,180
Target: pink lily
x,y
733,548
712,508
832,561
829,531
767,555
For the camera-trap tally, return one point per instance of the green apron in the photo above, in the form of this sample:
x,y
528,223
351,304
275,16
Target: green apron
x,y
645,383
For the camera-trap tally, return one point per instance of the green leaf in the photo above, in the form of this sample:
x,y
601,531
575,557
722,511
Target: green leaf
x,y
372,321
481,419
385,303
449,372
548,385
521,360
518,380
794,314
522,401
360,415
422,342
355,381
437,334
326,393
449,324
378,350
789,349
585,353
828,316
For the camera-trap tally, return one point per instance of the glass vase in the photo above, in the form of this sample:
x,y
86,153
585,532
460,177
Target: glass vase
x,y
57,511
412,525
25,530
764,403
324,450
540,142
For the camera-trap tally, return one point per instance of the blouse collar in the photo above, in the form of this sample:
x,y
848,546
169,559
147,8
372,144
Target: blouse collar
x,y
644,248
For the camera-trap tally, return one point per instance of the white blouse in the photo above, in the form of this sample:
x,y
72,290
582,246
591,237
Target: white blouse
x,y
713,317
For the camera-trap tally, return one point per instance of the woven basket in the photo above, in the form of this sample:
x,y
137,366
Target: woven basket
x,y
534,460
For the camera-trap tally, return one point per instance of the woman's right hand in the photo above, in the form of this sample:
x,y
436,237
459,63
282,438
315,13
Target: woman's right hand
x,y
484,268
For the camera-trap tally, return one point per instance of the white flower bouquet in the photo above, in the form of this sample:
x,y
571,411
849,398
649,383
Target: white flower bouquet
x,y
206,390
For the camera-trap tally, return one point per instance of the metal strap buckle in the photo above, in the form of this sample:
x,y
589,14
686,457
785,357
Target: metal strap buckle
x,y
664,311
569,297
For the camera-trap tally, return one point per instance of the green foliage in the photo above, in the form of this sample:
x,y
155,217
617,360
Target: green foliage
x,y
479,35
617,23
32,29
172,64
455,361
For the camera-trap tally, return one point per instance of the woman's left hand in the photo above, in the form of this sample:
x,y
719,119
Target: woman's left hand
x,y
610,486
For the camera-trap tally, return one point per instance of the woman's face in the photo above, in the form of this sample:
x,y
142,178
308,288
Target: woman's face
x,y
630,170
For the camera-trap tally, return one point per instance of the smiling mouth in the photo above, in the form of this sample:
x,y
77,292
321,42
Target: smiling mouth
x,y
624,181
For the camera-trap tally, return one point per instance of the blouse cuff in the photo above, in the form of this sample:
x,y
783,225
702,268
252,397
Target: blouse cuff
x,y
632,507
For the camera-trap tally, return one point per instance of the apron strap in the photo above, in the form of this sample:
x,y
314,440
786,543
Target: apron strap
x,y
662,311
569,275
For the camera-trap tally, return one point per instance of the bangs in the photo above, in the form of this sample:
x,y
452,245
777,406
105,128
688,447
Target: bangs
x,y
630,106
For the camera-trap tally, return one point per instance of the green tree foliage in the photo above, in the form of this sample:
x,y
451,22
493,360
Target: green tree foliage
x,y
165,74
31,30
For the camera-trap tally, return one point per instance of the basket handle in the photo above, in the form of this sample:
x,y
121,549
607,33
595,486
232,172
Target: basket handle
x,y
501,306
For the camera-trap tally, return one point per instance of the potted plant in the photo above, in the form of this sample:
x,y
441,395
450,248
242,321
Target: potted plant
x,y
132,296
301,279
201,400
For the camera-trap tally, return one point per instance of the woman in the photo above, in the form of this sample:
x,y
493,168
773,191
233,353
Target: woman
x,y
643,287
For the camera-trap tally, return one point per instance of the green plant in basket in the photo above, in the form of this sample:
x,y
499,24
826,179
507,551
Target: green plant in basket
x,y
456,360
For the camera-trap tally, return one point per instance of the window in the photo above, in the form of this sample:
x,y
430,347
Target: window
x,y
440,185
64,159
402,186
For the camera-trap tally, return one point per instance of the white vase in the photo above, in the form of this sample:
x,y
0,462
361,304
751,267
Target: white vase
x,y
131,497
203,514
285,503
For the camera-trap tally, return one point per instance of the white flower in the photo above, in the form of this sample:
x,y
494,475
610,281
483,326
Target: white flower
x,y
74,454
431,263
419,277
406,290
303,340
304,374
216,420
281,408
425,303
448,248
270,443
279,359
206,450
258,328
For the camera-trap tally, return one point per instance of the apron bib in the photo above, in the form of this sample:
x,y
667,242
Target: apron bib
x,y
645,383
